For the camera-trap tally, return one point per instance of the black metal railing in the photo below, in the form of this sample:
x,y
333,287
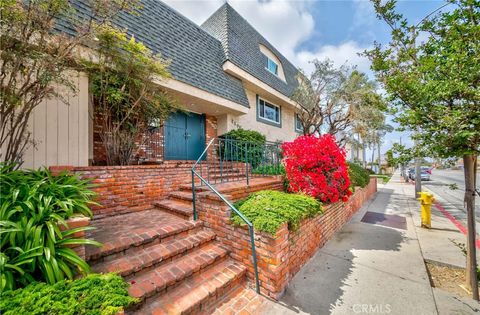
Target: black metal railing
x,y
225,160
229,160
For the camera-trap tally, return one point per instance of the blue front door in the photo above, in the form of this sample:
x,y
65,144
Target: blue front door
x,y
184,136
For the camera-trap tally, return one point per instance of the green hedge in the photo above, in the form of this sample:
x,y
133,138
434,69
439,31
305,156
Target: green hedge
x,y
96,294
245,135
268,210
270,170
358,175
235,150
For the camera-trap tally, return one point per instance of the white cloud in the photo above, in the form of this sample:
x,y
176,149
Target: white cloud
x,y
346,52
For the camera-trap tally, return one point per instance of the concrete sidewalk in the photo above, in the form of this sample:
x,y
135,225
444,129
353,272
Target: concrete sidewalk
x,y
370,268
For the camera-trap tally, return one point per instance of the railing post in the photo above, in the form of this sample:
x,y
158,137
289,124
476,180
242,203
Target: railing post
x,y
254,256
194,194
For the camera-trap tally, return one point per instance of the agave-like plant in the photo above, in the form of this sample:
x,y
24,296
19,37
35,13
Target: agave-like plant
x,y
33,206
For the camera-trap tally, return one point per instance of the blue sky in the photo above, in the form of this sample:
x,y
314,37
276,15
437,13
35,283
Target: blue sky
x,y
306,29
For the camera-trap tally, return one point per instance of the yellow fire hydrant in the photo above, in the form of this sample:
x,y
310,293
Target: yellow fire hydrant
x,y
426,200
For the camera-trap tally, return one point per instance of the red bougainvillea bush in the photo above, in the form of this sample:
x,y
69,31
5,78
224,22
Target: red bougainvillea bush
x,y
316,166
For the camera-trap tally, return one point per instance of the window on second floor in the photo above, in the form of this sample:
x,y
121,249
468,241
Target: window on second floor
x,y
272,66
298,124
269,112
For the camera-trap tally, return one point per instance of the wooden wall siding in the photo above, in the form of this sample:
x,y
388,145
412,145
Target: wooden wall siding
x,y
60,130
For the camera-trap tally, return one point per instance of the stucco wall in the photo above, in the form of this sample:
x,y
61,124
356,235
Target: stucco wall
x,y
249,121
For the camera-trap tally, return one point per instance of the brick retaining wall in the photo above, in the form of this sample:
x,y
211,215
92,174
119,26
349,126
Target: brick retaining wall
x,y
123,189
281,256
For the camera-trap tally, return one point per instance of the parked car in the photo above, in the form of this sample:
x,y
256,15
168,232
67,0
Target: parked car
x,y
424,175
427,169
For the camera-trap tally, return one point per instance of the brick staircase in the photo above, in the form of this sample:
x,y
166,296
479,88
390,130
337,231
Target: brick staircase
x,y
173,264
180,202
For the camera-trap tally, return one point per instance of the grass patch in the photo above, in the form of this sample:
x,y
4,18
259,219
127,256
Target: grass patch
x,y
268,210
384,178
96,294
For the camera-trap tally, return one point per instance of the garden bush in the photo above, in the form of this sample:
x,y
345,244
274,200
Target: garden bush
x,y
268,210
316,166
270,170
246,146
359,176
102,294
33,205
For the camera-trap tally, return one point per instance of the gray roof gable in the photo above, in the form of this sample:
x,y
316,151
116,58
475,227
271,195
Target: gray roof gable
x,y
241,44
196,57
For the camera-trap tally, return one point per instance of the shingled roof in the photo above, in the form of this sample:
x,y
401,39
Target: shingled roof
x,y
196,56
241,44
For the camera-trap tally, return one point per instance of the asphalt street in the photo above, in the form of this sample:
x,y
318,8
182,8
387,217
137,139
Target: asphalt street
x,y
440,186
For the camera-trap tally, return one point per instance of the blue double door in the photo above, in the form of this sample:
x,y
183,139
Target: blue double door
x,y
184,136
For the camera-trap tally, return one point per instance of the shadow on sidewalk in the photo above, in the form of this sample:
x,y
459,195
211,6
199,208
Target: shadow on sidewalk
x,y
321,283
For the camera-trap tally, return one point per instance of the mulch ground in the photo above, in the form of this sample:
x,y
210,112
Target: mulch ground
x,y
447,278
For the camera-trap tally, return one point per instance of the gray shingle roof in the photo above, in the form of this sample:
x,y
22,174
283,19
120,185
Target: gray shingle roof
x,y
196,57
241,46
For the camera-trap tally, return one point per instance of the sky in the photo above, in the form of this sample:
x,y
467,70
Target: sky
x,y
303,30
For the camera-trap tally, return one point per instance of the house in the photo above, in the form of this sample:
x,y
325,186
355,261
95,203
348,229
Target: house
x,y
224,72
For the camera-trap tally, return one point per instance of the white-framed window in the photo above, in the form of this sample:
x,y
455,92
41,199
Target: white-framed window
x,y
298,124
269,112
272,66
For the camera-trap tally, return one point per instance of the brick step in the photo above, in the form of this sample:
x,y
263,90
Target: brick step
x,y
181,195
121,235
172,274
175,207
144,259
200,293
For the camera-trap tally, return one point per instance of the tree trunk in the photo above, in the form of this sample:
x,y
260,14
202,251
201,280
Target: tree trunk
x,y
373,155
469,163
418,176
364,155
379,158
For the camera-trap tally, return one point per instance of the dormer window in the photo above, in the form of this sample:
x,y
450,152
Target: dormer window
x,y
272,66
271,63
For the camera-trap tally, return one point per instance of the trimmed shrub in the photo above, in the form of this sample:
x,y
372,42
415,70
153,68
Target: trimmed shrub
x,y
268,210
270,170
246,146
316,166
358,175
245,135
102,294
33,247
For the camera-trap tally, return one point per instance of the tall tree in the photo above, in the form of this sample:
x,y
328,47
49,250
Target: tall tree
x,y
35,59
331,98
126,101
434,87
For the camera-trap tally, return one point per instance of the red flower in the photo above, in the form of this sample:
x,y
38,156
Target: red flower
x,y
316,166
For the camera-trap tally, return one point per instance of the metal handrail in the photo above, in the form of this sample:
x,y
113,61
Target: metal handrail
x,y
247,222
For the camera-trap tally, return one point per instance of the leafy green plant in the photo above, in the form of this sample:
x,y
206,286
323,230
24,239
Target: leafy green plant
x,y
122,82
268,210
245,135
35,238
358,175
270,169
103,294
245,146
